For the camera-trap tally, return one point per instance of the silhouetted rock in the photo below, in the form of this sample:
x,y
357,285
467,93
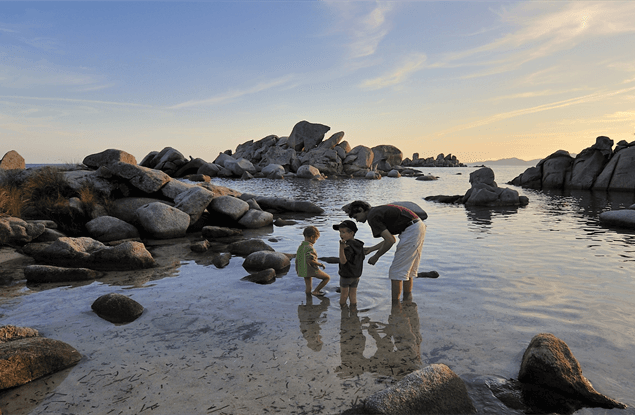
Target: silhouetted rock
x,y
622,218
107,157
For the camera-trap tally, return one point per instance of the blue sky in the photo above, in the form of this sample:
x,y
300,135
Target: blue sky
x,y
481,80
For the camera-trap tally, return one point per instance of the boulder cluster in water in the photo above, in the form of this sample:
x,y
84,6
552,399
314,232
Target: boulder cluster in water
x,y
305,154
599,167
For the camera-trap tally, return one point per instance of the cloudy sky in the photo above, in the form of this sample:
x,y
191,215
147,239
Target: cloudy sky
x,y
481,80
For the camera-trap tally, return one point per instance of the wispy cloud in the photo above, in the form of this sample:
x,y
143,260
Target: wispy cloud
x,y
538,33
365,29
545,107
411,64
77,101
231,95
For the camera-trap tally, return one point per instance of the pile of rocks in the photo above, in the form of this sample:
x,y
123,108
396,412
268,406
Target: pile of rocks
x,y
599,167
304,154
484,192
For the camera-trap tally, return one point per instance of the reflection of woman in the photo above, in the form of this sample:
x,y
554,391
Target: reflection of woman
x,y
310,317
352,344
399,350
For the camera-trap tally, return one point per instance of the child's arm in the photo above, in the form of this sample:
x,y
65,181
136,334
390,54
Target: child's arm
x,y
342,254
312,260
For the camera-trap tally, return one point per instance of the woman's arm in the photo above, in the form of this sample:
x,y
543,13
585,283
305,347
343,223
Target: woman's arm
x,y
383,247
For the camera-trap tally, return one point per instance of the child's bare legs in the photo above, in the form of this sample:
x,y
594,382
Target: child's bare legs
x,y
343,295
352,295
325,280
308,284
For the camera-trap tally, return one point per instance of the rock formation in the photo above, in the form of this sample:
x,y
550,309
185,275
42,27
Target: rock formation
x,y
598,167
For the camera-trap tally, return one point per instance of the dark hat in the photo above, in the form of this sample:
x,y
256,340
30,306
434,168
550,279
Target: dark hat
x,y
349,224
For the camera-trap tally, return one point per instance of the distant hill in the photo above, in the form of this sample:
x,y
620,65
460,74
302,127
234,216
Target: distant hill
x,y
507,162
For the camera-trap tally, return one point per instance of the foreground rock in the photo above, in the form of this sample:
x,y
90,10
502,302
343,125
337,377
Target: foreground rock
x,y
162,221
261,260
86,252
266,276
623,218
12,161
49,273
435,389
17,232
25,359
117,308
109,228
548,363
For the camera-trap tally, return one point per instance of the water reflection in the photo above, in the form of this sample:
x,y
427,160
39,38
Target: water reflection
x,y
311,316
398,343
481,217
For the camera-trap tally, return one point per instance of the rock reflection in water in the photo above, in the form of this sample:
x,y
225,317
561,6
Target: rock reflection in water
x,y
398,343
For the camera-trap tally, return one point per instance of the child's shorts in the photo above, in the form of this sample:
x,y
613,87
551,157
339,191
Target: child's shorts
x,y
349,282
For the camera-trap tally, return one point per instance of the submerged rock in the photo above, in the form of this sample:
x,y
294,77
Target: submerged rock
x,y
117,308
261,260
435,389
623,218
49,273
265,276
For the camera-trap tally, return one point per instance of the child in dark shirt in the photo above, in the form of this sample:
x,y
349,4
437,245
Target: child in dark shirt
x,y
351,255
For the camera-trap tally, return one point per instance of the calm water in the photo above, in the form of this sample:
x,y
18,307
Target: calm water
x,y
505,276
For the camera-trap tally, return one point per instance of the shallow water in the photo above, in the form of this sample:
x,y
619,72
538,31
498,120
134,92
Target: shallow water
x,y
211,343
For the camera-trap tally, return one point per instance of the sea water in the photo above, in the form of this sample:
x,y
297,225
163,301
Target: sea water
x,y
506,274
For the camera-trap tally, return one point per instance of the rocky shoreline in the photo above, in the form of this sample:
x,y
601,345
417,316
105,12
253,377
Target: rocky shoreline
x,y
166,197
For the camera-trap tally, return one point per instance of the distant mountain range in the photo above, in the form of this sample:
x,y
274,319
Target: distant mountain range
x,y
506,162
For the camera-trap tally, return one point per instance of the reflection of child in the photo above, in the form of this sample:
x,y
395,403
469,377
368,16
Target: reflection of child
x,y
306,263
351,261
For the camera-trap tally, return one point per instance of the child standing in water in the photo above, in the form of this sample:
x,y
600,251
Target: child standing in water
x,y
351,261
306,263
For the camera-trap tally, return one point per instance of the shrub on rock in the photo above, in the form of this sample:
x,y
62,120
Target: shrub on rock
x,y
117,308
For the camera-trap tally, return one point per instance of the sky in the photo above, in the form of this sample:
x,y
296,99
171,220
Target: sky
x,y
480,80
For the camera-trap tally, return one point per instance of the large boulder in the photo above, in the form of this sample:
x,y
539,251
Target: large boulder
x,y
117,308
549,363
273,171
287,158
15,231
326,160
12,161
332,141
209,169
485,191
358,161
556,170
284,204
229,206
191,167
109,228
306,135
27,359
169,161
49,273
194,201
126,207
309,172
86,252
588,165
107,157
173,188
388,153
255,218
222,158
162,221
261,260
435,389
143,178
240,166
619,172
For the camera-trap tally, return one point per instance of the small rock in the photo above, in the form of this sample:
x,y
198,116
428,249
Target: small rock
x,y
49,273
265,276
117,308
261,260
